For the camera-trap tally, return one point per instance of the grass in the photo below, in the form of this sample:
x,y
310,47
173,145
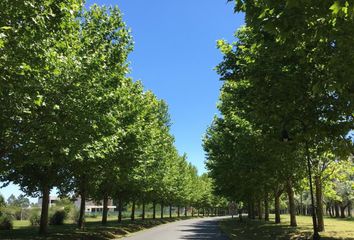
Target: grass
x,y
93,229
254,229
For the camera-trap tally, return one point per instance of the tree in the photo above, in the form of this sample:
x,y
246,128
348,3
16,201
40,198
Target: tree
x,y
2,201
57,123
271,57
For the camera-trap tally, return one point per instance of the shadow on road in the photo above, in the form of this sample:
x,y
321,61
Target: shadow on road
x,y
206,230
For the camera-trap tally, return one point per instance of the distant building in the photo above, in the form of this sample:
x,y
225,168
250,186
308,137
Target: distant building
x,y
91,206
52,201
95,206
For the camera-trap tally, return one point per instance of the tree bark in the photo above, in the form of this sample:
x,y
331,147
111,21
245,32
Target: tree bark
x,y
336,209
132,217
162,210
342,211
266,208
240,214
170,211
43,226
154,210
292,208
185,211
260,210
105,209
143,212
253,216
277,207
81,220
178,210
301,205
120,208
329,209
319,203
350,209
249,209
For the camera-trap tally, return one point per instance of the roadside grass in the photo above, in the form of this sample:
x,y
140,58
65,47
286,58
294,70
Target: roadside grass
x,y
93,229
254,229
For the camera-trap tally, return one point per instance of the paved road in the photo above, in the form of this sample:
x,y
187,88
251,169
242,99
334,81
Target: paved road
x,y
197,229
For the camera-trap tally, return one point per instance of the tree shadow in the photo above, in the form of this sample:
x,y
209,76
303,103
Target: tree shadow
x,y
208,229
93,230
255,230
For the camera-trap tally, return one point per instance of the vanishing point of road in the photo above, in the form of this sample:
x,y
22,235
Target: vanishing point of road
x,y
196,229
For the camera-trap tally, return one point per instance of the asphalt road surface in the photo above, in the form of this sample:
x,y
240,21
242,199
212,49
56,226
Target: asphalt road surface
x,y
197,229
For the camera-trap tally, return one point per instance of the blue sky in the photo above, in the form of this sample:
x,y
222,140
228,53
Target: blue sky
x,y
174,56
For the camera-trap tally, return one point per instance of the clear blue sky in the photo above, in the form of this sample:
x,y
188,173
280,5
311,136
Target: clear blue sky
x,y
174,56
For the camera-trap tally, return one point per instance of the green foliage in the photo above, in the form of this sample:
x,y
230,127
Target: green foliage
x,y
2,201
20,201
58,217
6,222
72,119
35,218
286,90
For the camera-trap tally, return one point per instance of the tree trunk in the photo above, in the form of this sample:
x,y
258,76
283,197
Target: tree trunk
x,y
319,203
336,209
132,217
178,209
185,211
154,210
342,211
329,209
105,209
120,208
81,220
292,208
249,209
161,210
277,207
350,209
301,205
253,210
170,211
259,209
203,212
266,208
240,214
43,226
143,212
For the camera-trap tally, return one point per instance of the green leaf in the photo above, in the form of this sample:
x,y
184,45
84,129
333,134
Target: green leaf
x,y
336,7
39,100
292,3
6,28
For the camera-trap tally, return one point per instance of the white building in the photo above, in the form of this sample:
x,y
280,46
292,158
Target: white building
x,y
91,206
52,201
94,207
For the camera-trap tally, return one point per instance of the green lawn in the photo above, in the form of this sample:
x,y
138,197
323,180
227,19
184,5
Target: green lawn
x,y
254,229
93,230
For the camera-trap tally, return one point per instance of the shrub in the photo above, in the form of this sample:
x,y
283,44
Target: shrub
x,y
6,222
13,212
74,215
58,217
35,218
